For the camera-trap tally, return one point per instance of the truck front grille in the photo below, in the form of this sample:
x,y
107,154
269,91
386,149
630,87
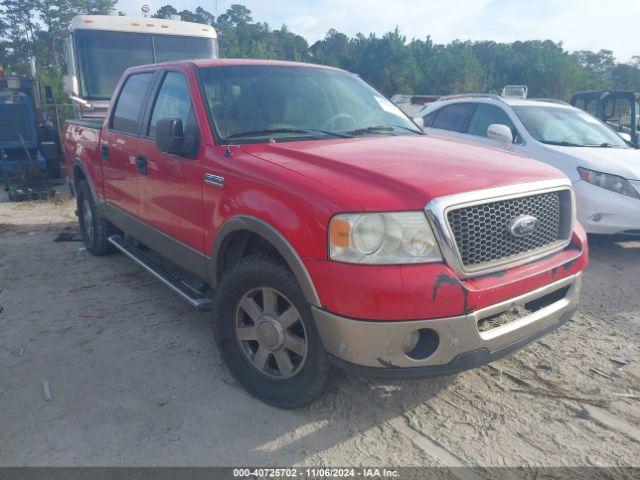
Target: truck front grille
x,y
15,121
482,232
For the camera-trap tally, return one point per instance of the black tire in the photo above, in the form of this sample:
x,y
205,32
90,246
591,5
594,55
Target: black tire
x,y
311,380
95,229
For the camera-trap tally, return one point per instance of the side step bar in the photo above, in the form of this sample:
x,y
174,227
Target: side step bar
x,y
170,279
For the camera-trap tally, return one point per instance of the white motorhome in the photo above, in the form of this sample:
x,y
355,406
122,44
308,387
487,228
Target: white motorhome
x,y
101,47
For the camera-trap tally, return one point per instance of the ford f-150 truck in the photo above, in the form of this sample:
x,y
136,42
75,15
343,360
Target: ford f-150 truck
x,y
322,226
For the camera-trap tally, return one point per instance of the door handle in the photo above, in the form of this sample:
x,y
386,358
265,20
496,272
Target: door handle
x,y
104,151
141,164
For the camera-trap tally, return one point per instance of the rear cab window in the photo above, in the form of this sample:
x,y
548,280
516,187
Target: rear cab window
x,y
128,107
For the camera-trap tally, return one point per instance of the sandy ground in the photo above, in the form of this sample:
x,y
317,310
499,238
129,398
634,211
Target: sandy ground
x,y
135,378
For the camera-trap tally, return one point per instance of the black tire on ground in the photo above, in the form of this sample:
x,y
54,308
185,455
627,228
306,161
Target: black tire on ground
x,y
311,378
94,227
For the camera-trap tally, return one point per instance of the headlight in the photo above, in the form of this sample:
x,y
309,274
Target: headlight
x,y
614,183
382,238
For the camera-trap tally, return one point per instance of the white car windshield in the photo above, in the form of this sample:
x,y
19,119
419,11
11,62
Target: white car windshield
x,y
567,127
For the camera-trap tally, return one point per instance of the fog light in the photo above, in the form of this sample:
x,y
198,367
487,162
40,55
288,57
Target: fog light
x,y
411,341
427,344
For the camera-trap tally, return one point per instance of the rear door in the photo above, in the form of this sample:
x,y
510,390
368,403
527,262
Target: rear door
x,y
171,187
119,142
450,120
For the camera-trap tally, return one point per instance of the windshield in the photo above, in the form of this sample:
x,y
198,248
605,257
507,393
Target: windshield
x,y
104,56
258,103
567,126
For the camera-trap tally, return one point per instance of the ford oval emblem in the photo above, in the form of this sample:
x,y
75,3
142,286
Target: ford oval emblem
x,y
523,226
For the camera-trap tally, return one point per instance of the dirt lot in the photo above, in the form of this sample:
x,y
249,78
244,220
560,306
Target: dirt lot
x,y
135,379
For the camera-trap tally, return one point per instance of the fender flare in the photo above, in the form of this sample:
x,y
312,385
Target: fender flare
x,y
276,239
80,165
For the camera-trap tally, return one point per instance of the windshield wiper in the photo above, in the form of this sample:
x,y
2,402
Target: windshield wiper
x,y
597,145
381,129
562,143
300,131
608,145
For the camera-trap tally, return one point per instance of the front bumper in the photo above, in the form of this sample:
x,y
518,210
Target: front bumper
x,y
376,347
601,211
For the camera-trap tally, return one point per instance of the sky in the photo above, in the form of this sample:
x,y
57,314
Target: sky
x,y
578,24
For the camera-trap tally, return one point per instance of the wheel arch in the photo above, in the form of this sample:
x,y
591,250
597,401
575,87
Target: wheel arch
x,y
250,225
80,173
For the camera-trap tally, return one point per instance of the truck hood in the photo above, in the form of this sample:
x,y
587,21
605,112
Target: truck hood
x,y
624,162
387,173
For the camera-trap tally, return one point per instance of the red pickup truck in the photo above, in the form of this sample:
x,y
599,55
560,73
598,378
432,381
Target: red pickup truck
x,y
322,226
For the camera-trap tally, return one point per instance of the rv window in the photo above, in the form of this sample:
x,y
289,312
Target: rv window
x,y
104,56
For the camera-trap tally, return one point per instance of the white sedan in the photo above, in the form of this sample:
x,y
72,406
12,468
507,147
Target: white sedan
x,y
604,169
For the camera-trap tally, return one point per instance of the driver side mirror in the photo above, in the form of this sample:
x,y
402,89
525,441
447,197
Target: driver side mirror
x,y
419,121
170,135
500,133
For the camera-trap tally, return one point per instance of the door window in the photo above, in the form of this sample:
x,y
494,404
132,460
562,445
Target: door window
x,y
452,117
485,115
429,118
173,101
129,104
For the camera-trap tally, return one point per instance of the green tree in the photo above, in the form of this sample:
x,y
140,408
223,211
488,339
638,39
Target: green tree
x,y
626,77
37,29
333,49
165,12
20,33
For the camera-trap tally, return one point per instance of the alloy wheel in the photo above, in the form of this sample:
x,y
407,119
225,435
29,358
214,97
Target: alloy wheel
x,y
271,334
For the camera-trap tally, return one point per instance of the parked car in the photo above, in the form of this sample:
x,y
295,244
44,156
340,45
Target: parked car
x,y
604,169
328,227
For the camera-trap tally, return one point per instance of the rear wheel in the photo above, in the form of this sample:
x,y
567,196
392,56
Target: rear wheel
x,y
94,227
266,334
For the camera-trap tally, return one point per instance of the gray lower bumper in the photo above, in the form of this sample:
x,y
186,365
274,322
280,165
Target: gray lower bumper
x,y
376,347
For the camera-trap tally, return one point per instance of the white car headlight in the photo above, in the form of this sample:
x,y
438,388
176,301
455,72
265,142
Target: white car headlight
x,y
382,238
611,182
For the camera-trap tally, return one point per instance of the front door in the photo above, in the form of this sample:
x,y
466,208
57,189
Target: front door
x,y
171,188
485,115
119,143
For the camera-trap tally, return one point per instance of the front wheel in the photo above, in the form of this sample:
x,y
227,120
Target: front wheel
x,y
267,336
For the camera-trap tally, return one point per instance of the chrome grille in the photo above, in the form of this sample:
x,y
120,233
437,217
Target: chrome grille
x,y
482,235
